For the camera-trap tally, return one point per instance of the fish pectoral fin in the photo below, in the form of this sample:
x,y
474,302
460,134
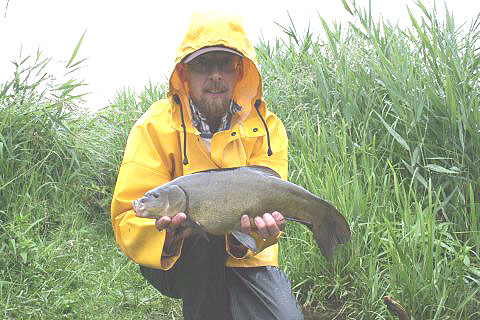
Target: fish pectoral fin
x,y
196,228
246,239
305,223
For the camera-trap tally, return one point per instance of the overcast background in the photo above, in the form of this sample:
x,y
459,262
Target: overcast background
x,y
129,43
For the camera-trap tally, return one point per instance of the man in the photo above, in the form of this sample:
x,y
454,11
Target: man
x,y
213,117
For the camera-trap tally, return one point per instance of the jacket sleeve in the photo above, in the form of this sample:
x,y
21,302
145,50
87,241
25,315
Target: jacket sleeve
x,y
278,161
145,166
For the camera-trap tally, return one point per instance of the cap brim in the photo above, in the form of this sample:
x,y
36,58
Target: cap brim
x,y
203,50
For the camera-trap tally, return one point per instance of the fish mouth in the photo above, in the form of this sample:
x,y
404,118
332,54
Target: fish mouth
x,y
138,207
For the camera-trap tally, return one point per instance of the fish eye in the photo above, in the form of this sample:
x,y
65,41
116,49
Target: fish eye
x,y
152,195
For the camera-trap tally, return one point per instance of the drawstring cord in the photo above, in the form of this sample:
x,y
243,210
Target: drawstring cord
x,y
185,159
257,105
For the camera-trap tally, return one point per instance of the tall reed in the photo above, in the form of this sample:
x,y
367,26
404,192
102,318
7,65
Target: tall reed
x,y
384,122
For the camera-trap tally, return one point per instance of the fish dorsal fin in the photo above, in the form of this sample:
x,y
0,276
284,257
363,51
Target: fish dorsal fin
x,y
265,170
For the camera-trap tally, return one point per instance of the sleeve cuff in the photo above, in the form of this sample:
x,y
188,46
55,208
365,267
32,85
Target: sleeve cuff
x,y
167,261
232,249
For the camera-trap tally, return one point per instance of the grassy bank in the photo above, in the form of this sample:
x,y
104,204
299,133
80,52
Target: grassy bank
x,y
383,122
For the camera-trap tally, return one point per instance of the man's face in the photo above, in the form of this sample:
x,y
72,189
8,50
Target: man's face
x,y
211,79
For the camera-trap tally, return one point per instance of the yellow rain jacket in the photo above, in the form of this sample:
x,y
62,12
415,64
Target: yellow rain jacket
x,y
155,147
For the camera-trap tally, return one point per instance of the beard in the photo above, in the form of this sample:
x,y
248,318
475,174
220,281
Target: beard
x,y
214,106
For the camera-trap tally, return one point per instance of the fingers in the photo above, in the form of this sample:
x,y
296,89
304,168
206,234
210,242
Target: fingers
x,y
245,224
173,227
177,220
163,222
269,224
170,223
280,220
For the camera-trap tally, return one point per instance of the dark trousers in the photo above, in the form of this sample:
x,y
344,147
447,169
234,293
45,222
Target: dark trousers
x,y
209,290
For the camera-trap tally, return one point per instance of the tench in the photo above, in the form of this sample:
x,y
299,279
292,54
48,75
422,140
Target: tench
x,y
214,201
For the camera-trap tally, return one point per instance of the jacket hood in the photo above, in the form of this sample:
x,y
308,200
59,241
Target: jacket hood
x,y
213,29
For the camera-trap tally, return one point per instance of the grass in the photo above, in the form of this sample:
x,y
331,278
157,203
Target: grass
x,y
382,121
57,252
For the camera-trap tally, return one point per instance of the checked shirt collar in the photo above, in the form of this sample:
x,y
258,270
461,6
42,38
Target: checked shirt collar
x,y
200,121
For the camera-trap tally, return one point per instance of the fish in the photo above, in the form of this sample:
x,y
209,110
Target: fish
x,y
214,200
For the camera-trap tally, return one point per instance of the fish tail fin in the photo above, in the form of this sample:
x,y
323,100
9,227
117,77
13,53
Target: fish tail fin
x,y
331,231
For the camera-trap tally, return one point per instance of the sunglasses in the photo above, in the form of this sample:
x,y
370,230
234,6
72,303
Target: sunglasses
x,y
206,64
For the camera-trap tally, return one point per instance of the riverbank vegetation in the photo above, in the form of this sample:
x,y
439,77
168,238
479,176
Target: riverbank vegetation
x,y
383,122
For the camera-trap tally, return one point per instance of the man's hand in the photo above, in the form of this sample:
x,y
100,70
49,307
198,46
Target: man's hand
x,y
173,232
270,224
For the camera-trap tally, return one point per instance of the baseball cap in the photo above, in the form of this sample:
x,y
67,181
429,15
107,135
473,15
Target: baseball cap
x,y
203,50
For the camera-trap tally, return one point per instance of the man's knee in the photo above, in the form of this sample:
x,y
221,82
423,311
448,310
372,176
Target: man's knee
x,y
161,281
262,293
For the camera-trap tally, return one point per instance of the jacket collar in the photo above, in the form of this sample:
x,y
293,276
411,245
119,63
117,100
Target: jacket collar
x,y
251,124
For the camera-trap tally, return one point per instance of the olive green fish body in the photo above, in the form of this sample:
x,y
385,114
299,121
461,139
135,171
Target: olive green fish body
x,y
216,199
